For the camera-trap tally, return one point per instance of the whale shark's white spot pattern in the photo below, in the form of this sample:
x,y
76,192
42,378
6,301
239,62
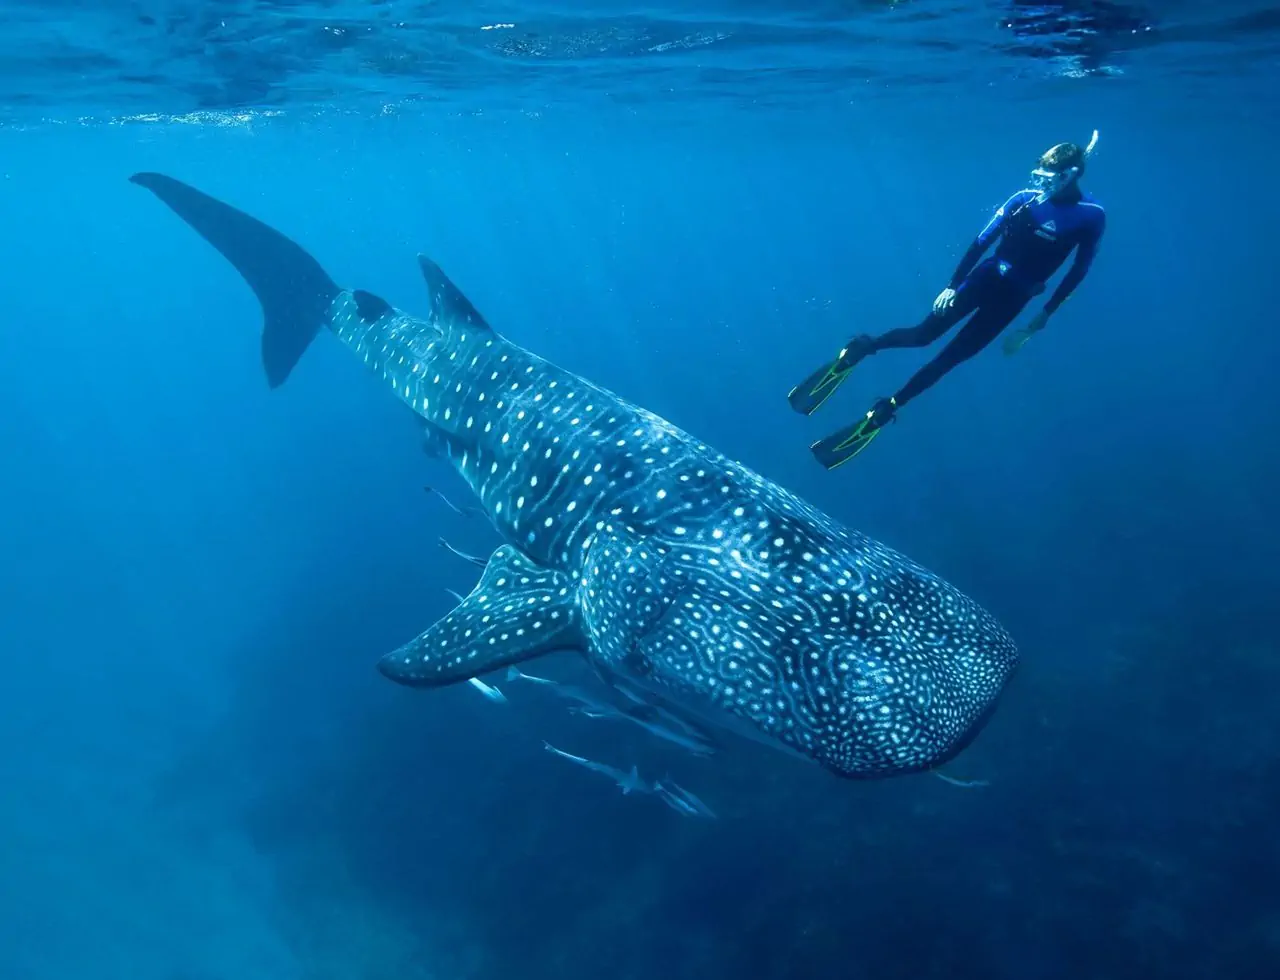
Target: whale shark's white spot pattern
x,y
472,639
682,569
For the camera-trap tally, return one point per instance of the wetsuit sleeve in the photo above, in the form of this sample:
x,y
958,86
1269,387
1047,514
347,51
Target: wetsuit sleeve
x,y
1085,252
985,238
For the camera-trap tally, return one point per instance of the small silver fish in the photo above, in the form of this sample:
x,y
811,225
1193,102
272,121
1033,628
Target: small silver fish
x,y
584,702
516,674
650,717
682,800
482,562
490,692
628,782
460,511
593,713
652,709
663,725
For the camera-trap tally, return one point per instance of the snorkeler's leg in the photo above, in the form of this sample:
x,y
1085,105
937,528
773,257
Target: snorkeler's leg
x,y
934,325
808,396
984,327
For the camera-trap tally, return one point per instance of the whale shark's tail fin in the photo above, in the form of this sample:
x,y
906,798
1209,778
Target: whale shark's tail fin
x,y
295,292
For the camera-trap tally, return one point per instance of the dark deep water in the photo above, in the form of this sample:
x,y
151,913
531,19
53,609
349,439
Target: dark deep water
x,y
205,777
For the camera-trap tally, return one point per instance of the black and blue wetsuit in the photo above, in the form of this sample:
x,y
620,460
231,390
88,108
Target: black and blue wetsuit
x,y
1035,238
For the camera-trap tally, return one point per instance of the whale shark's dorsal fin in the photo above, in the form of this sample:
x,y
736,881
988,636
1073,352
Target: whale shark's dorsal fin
x,y
295,292
447,301
518,610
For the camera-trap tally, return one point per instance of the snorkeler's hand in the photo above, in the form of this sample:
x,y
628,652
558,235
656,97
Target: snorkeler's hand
x,y
945,299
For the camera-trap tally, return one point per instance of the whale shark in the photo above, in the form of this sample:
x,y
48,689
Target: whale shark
x,y
666,564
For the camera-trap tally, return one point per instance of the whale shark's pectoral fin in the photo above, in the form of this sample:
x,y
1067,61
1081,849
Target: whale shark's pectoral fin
x,y
447,301
518,610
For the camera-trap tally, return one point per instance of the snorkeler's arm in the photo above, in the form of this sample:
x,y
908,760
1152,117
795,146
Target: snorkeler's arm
x,y
1085,253
987,236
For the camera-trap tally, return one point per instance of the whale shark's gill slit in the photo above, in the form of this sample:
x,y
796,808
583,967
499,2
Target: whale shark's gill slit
x,y
518,610
295,292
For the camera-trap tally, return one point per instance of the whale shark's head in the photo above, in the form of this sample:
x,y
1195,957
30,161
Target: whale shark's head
x,y
906,686
826,644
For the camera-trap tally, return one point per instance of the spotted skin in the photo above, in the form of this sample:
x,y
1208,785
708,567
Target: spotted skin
x,y
692,573
669,564
517,610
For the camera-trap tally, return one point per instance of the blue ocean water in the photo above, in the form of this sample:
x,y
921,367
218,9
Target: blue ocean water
x,y
205,776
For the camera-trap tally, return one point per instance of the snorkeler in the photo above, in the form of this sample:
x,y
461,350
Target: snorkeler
x,y
1037,229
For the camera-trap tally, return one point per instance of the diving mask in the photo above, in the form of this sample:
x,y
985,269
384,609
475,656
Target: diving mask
x,y
1050,181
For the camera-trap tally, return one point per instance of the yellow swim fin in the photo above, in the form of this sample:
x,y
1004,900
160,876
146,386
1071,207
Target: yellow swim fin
x,y
844,444
808,396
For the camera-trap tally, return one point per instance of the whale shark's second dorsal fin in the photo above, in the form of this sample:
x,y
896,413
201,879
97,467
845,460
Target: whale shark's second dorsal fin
x,y
447,301
518,610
